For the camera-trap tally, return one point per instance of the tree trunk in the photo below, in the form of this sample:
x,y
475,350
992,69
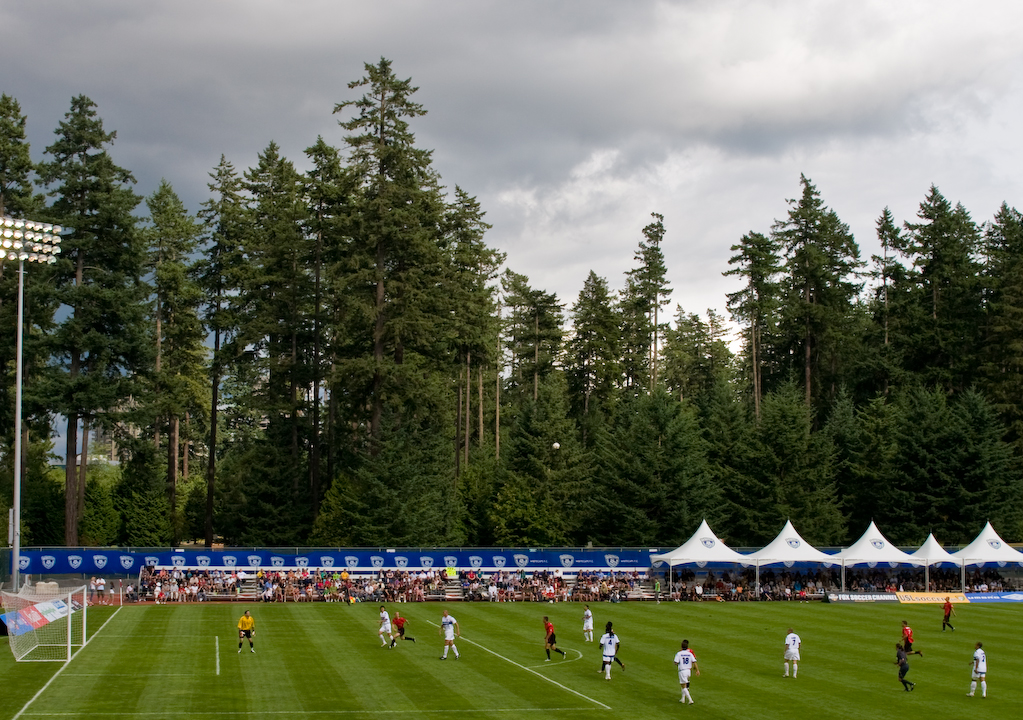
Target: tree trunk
x,y
186,446
71,482
211,464
172,475
468,408
458,431
83,468
479,436
378,352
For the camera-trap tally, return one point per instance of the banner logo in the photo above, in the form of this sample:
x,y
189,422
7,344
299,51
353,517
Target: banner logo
x,y
879,544
521,560
376,561
176,561
611,560
101,561
254,560
276,561
302,562
567,560
708,542
127,561
150,560
352,561
793,543
872,563
326,561
76,560
475,561
995,545
48,561
203,560
23,562
499,561
701,563
450,561
230,560
426,561
401,561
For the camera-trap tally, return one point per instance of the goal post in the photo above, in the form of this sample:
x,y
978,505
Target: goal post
x,y
45,622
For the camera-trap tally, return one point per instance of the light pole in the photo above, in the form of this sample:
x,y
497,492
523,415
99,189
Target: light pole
x,y
36,242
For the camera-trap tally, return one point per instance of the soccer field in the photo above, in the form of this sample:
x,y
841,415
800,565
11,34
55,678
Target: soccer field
x,y
325,660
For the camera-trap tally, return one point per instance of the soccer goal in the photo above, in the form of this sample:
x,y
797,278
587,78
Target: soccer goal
x,y
45,622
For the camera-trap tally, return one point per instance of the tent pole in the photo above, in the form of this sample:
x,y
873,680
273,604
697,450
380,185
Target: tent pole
x,y
843,574
758,580
927,577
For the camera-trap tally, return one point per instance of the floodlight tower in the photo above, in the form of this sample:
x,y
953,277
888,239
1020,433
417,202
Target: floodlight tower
x,y
35,242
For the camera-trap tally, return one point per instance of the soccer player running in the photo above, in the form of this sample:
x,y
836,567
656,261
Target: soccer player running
x,y
979,671
609,643
246,629
685,660
902,660
907,639
399,624
448,630
385,628
792,644
949,612
587,624
550,640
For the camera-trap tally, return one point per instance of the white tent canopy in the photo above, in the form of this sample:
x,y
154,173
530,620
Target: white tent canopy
x,y
988,547
702,548
873,547
932,553
789,546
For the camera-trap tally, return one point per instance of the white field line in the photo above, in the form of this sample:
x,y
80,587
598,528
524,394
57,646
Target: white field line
x,y
529,670
62,667
556,663
252,713
218,654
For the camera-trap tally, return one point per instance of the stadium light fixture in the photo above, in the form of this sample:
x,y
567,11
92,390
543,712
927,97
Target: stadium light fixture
x,y
35,242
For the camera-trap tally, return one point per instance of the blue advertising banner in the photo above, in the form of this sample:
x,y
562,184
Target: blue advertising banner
x,y
995,597
90,561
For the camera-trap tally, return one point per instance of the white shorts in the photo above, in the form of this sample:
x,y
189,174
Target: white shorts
x,y
609,658
385,628
588,625
979,675
449,635
791,654
683,677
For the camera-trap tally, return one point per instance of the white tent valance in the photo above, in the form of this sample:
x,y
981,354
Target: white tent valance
x,y
702,548
872,549
988,547
789,547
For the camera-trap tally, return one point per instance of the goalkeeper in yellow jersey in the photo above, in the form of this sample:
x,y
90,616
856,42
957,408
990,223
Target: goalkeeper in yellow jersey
x,y
246,629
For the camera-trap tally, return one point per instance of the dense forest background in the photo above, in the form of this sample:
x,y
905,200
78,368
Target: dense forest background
x,y
337,357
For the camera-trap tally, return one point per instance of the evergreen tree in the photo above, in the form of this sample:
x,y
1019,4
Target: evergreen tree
x,y
592,357
646,292
532,334
756,261
696,355
101,346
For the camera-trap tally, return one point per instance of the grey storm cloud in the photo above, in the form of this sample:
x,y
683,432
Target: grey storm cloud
x,y
571,121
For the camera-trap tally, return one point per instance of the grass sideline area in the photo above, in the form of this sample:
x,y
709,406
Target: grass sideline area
x,y
325,661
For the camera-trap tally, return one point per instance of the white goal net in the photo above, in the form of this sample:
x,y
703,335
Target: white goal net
x,y
45,622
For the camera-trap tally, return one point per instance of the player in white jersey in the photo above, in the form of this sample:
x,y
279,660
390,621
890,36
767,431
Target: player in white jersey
x,y
979,671
792,643
685,660
587,624
448,630
609,643
385,627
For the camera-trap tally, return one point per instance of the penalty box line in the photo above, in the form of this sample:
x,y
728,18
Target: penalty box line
x,y
64,666
529,670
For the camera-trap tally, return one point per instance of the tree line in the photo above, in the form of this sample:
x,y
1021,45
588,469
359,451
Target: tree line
x,y
338,357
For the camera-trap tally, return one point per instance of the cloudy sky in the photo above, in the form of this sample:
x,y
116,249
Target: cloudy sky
x,y
571,121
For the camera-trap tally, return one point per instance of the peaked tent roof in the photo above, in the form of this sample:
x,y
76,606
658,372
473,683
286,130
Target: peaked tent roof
x,y
932,553
988,547
789,546
703,546
873,547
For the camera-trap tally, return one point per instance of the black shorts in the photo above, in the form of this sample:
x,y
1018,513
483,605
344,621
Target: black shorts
x,y
907,646
552,640
401,632
245,633
903,669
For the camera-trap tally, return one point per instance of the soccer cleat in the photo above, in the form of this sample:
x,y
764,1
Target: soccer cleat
x,y
547,660
969,694
443,658
252,650
412,639
239,651
912,686
623,667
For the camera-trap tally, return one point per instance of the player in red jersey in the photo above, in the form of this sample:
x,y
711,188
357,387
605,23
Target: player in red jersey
x,y
399,625
949,612
550,641
907,639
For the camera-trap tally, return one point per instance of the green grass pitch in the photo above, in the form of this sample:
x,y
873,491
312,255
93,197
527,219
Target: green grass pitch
x,y
325,661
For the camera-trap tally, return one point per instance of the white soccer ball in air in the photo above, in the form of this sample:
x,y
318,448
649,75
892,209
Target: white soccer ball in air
x,y
556,446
